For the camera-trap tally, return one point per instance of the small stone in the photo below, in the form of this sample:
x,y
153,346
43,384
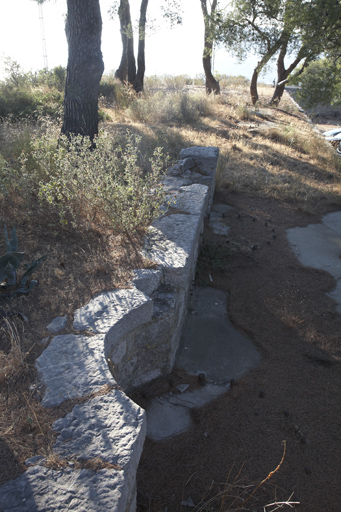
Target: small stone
x,y
303,440
307,470
182,387
202,379
286,413
188,503
57,324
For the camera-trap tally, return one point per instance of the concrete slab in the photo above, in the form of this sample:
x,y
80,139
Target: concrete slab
x,y
319,246
210,345
217,220
169,415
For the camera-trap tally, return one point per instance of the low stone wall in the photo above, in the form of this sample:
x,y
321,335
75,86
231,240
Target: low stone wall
x,y
130,337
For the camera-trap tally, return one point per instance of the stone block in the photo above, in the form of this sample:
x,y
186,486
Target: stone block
x,y
130,307
110,426
204,157
41,489
147,280
73,366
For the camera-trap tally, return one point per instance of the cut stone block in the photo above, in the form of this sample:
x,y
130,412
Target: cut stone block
x,y
107,309
111,426
41,489
73,366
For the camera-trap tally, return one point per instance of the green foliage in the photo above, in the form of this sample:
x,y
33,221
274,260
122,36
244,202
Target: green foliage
x,y
10,263
105,185
31,94
319,84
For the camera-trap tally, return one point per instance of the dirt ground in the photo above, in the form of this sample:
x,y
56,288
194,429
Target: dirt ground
x,y
293,397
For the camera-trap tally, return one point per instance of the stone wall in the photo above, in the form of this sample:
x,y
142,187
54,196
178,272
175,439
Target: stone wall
x,y
130,337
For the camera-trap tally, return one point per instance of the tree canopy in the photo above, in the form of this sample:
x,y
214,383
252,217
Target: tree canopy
x,y
283,27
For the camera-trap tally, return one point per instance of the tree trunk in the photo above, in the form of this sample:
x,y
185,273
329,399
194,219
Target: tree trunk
x,y
85,68
253,87
272,49
282,73
141,64
212,85
127,68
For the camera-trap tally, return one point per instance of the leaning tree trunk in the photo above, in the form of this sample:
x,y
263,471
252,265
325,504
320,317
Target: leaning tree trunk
x,y
263,62
212,85
282,73
127,68
141,63
85,68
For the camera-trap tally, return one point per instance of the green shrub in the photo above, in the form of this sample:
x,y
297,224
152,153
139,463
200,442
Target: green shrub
x,y
101,186
31,94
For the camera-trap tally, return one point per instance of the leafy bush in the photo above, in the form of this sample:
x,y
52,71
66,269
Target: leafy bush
x,y
90,187
31,94
320,83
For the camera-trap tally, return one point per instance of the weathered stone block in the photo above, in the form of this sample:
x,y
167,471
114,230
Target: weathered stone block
x,y
73,366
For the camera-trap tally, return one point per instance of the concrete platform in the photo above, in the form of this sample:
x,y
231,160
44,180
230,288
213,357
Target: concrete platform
x,y
319,246
210,345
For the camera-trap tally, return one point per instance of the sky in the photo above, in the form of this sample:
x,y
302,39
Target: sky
x,y
168,51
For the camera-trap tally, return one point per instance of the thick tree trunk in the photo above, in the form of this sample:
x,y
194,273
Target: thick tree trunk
x,y
127,68
212,85
141,64
85,68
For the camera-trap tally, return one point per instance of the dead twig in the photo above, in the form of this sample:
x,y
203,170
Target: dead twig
x,y
270,475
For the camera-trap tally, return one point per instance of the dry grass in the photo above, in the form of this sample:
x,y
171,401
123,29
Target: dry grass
x,y
285,160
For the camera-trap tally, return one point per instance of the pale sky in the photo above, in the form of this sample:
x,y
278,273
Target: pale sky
x,y
168,51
